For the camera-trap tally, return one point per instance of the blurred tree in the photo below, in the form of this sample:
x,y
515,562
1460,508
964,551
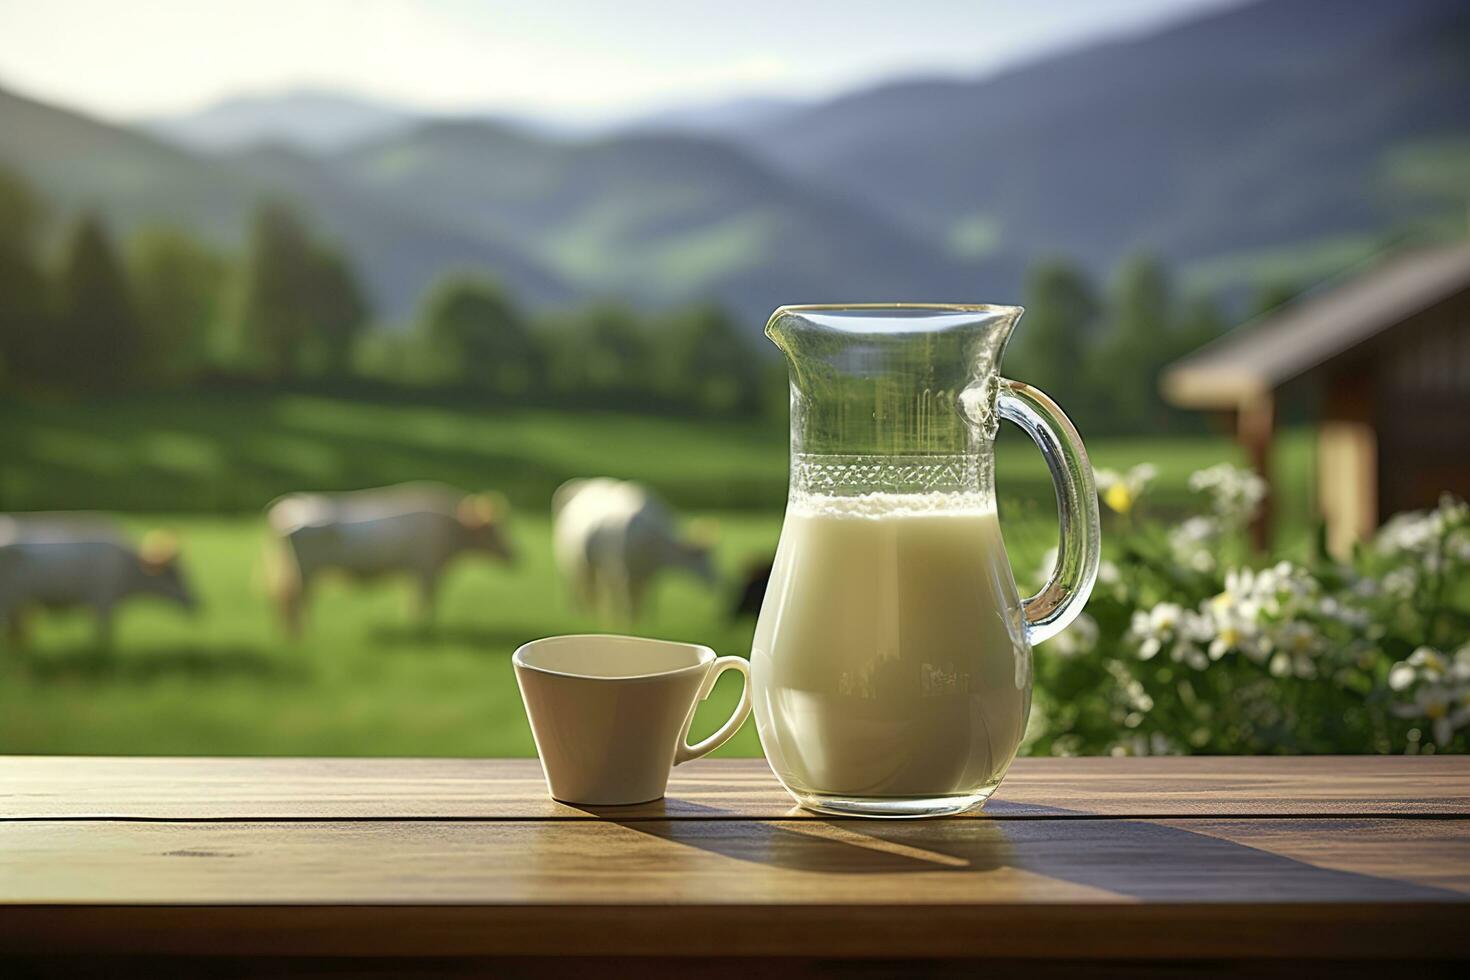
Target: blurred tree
x,y
275,308
21,212
601,353
96,341
179,283
299,306
702,361
1051,347
475,334
393,356
338,310
23,319
1138,343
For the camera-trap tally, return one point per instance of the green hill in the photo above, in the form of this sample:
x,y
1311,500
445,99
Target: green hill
x,y
1266,140
1260,127
137,180
76,161
657,218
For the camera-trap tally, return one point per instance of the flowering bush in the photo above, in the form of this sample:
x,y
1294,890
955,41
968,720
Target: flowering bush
x,y
1190,646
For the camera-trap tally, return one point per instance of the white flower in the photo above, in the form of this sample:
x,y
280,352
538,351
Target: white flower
x,y
1169,626
1459,671
1271,616
1431,537
1283,590
1192,543
1332,608
1401,583
1297,645
1233,622
1446,710
1165,616
1431,664
1235,494
1078,638
1441,689
1411,533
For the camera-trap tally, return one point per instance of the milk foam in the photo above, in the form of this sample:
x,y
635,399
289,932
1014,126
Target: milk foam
x,y
878,506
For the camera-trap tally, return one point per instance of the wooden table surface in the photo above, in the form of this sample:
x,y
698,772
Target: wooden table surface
x,y
1165,858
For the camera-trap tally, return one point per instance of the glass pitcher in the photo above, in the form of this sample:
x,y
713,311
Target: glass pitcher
x,y
891,664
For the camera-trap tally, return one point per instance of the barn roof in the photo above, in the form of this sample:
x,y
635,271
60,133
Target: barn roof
x,y
1278,347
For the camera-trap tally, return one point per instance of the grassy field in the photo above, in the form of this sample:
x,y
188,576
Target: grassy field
x,y
234,452
365,679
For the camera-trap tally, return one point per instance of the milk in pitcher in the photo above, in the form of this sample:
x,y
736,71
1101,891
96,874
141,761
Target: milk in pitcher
x,y
890,655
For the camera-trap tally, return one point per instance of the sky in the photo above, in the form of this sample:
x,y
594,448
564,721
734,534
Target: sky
x,y
124,59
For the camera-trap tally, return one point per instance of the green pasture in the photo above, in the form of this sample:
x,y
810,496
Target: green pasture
x,y
366,678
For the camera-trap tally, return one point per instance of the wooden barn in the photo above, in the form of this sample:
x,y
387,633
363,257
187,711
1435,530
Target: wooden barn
x,y
1381,360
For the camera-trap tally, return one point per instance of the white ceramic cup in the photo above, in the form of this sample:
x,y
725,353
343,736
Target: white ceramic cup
x,y
610,714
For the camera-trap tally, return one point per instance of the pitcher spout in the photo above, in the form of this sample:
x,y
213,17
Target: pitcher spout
x,y
892,378
789,323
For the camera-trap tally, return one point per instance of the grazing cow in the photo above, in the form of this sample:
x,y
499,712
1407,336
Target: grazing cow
x,y
413,528
65,560
611,538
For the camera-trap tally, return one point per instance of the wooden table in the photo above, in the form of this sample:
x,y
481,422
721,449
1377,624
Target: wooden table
x,y
1226,864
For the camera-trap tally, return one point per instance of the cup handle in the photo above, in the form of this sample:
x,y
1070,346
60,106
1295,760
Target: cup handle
x,y
686,751
1049,611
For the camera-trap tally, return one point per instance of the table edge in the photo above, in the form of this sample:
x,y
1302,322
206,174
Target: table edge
x,y
1194,931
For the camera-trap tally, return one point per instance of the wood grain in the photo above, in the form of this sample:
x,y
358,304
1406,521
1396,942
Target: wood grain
x,y
1178,859
743,862
47,787
956,887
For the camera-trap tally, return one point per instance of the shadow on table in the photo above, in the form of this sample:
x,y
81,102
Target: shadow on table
x,y
1148,860
826,846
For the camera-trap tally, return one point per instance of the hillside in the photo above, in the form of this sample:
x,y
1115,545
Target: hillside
x,y
137,180
1269,139
398,251
79,162
310,119
657,218
717,118
1260,126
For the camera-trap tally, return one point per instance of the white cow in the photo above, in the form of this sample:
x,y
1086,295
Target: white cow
x,y
611,538
66,560
413,528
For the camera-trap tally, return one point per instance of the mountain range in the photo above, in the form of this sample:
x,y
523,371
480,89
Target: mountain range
x,y
310,119
1245,134
1257,127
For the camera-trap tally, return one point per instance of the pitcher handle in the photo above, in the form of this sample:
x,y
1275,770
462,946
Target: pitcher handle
x,y
1050,611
